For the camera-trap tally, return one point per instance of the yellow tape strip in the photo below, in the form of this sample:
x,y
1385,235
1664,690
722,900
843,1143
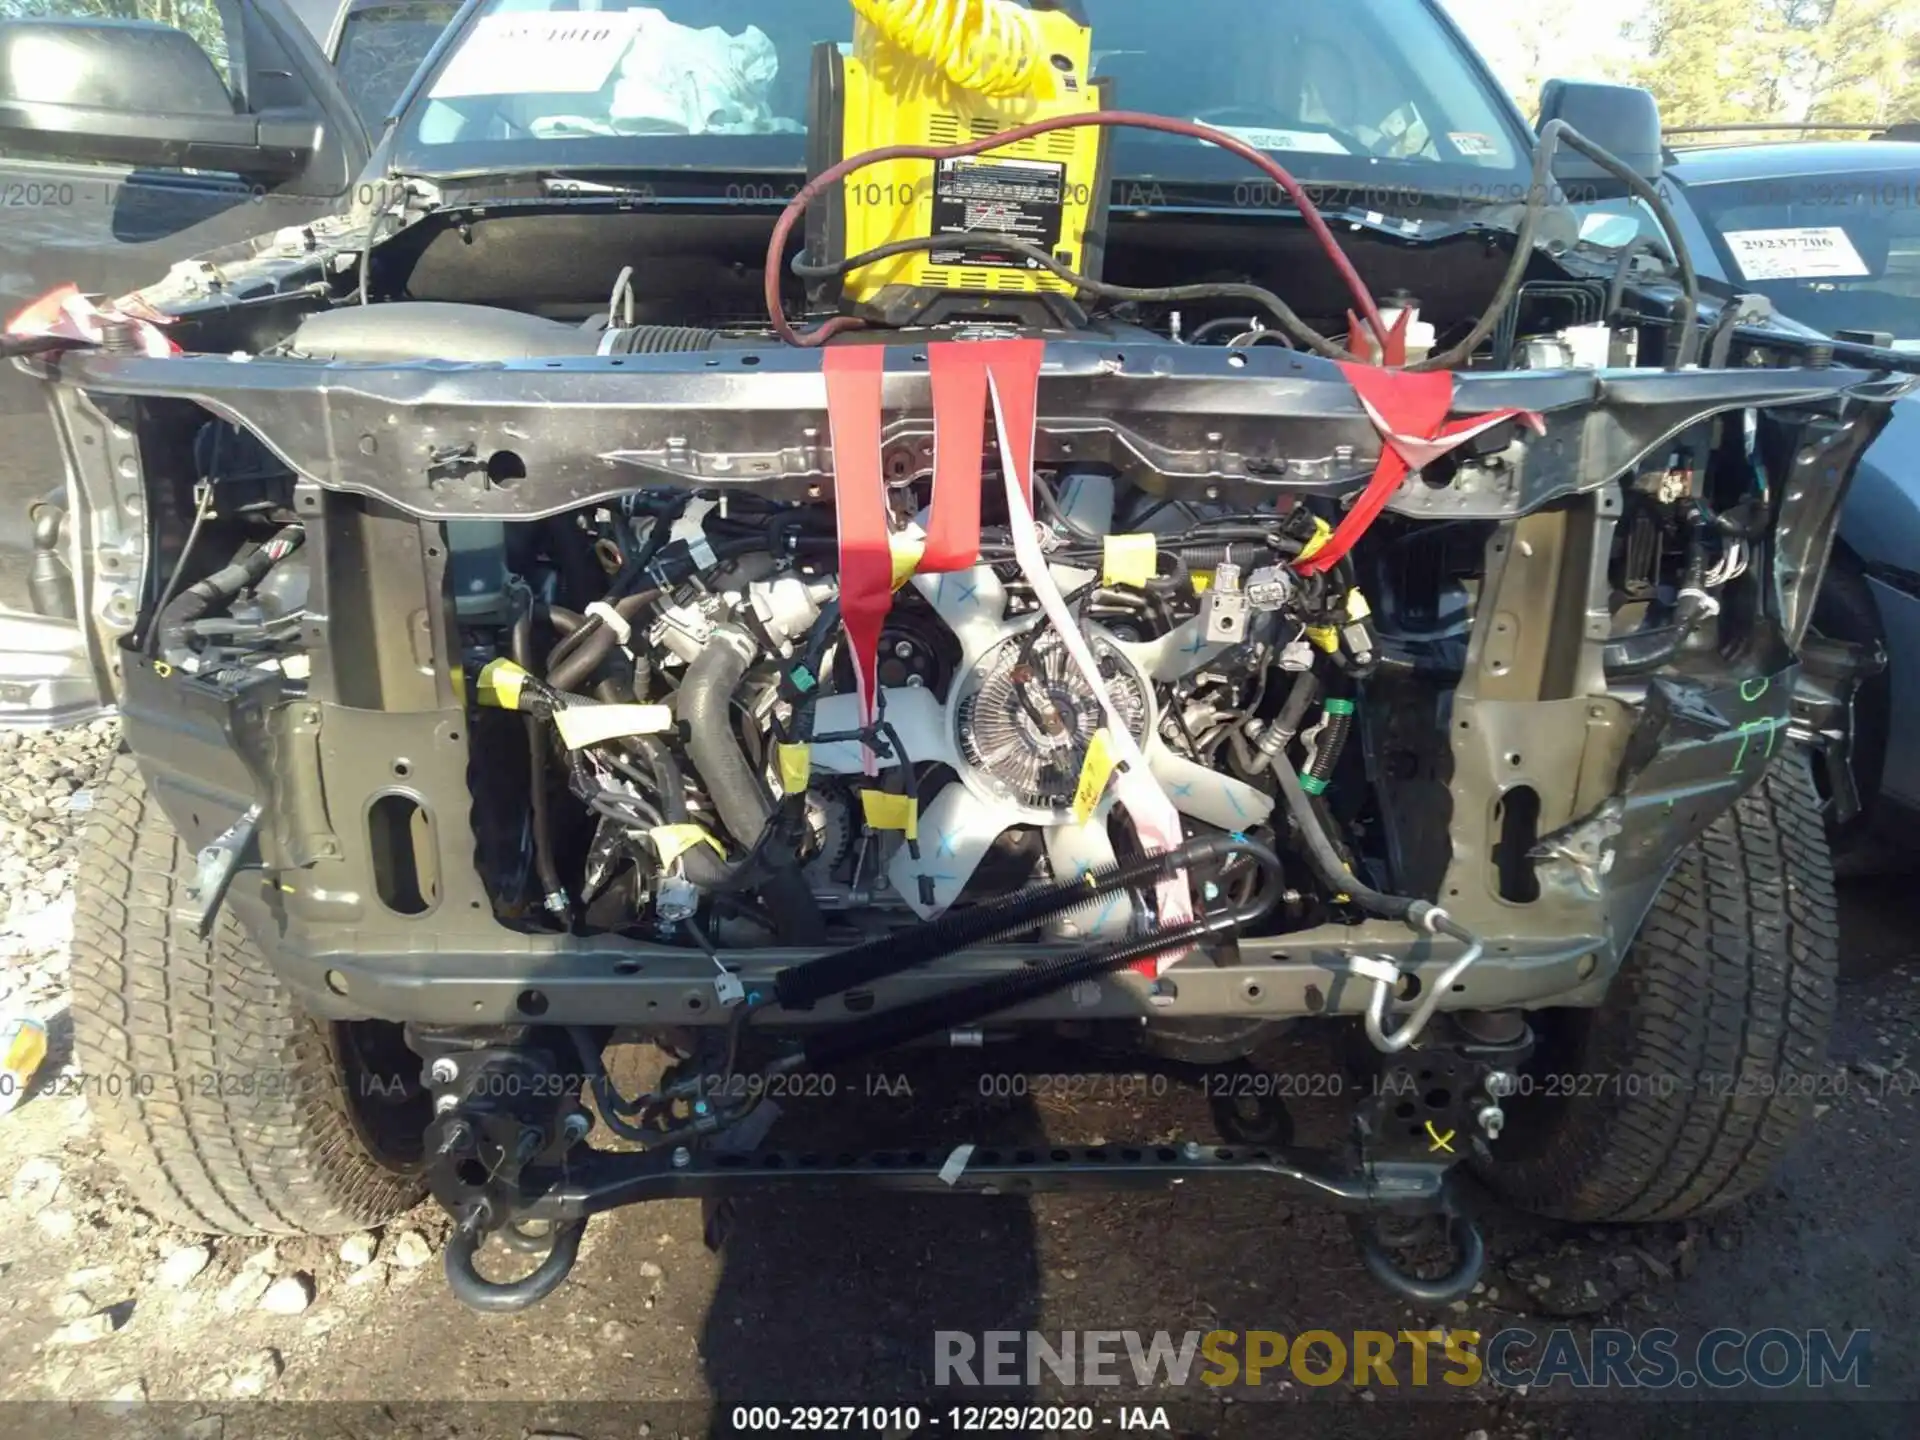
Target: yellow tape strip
x,y
1326,637
1095,771
584,725
906,557
501,682
796,767
1202,581
891,812
1128,559
1322,532
673,841
1357,607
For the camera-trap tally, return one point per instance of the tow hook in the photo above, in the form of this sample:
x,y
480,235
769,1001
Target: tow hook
x,y
499,1110
1379,1237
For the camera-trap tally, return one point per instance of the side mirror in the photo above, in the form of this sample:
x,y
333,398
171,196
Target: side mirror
x,y
1621,119
131,92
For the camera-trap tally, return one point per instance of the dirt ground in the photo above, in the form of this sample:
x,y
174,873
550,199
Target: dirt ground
x,y
836,1300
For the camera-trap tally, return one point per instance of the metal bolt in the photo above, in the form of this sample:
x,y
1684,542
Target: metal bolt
x,y
903,649
1491,1118
445,1103
458,1135
1501,1084
444,1071
577,1127
1191,1150
682,1157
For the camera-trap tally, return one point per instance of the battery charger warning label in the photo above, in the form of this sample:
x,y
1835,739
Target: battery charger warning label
x,y
1022,198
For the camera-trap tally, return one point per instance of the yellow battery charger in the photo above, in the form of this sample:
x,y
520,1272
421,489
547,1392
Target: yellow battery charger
x,y
1050,190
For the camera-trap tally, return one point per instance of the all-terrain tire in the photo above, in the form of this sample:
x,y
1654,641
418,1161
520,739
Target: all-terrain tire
x,y
218,1098
1682,1091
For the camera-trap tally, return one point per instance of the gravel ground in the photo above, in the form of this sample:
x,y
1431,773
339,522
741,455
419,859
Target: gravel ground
x,y
835,1301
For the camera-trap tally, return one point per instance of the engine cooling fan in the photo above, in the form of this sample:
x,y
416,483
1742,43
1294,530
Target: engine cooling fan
x,y
1015,726
1025,715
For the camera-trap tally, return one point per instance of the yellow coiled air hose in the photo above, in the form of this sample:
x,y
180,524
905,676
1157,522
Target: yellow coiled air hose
x,y
989,47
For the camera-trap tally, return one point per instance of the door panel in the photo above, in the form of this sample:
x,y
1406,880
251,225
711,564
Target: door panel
x,y
109,230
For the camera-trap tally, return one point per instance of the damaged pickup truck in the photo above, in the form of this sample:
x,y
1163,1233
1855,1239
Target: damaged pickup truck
x,y
782,548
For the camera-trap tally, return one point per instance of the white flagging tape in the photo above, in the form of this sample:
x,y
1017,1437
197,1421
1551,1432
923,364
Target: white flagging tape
x,y
1134,787
611,618
692,528
956,1165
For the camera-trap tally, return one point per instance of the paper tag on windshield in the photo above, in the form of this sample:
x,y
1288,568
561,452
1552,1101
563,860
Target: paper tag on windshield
x,y
563,53
1263,137
1800,254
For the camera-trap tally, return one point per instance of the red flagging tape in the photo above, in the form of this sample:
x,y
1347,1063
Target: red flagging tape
x,y
1409,409
959,372
853,374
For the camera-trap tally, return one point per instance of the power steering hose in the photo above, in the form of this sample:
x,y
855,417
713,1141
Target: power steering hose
x,y
887,1029
806,984
1419,915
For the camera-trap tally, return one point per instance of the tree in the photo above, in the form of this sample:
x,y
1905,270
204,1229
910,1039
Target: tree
x,y
1707,60
199,18
1857,64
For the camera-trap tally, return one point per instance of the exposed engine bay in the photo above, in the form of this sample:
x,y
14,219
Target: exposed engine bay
x,y
567,614
721,621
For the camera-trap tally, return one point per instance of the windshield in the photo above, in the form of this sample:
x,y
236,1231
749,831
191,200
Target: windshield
x,y
1375,92
1837,252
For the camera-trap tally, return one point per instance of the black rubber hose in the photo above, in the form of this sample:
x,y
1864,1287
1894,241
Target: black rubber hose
x,y
493,1297
1552,136
1293,713
573,663
563,620
705,707
1332,741
1326,860
1558,132
552,889
581,577
1225,324
1623,268
806,984
702,865
1043,258
203,597
1650,649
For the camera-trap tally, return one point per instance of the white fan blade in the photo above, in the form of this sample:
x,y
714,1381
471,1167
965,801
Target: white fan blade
x,y
1176,654
1087,500
1220,800
955,832
916,715
1073,851
974,605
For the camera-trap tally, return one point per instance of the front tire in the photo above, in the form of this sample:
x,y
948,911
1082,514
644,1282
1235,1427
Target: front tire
x,y
1682,1092
226,1108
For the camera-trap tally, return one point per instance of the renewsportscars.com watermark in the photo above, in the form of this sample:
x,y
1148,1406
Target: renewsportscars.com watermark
x,y
1603,1359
